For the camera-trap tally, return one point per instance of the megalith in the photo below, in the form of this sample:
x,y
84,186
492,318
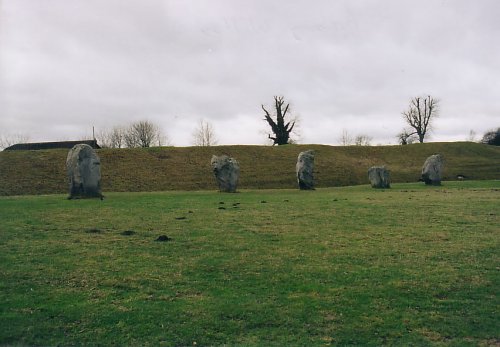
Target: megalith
x,y
379,177
433,169
304,169
83,167
227,173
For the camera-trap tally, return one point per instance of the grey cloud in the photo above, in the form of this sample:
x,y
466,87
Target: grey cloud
x,y
341,64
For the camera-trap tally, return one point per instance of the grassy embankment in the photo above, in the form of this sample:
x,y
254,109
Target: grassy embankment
x,y
411,265
188,168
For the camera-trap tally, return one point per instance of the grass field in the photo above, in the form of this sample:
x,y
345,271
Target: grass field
x,y
262,167
410,265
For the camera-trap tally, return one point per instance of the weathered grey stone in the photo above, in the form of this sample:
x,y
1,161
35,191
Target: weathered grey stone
x,y
379,177
433,169
84,172
227,173
304,169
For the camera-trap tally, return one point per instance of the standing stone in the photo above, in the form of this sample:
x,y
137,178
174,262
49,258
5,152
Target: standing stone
x,y
433,169
305,168
84,172
227,173
379,177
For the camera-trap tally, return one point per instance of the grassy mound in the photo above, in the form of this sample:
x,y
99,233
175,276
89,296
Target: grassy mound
x,y
188,168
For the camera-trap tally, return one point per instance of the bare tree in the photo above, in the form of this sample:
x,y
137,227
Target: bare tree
x,y
8,140
472,136
117,137
102,137
114,138
143,134
363,140
419,116
204,134
345,138
406,137
280,128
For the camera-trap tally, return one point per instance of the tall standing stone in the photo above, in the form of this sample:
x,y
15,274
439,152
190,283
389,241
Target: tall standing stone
x,y
433,169
379,177
305,168
84,172
227,173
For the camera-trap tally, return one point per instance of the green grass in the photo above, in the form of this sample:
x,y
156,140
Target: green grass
x,y
410,265
262,167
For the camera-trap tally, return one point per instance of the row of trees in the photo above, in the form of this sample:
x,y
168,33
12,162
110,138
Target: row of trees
x,y
139,134
419,117
347,139
146,134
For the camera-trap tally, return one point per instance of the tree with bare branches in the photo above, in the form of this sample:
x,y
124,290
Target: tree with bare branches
x,y
406,137
345,138
114,138
420,114
143,134
280,128
8,140
204,134
363,140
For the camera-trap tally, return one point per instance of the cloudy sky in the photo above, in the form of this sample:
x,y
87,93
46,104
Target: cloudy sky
x,y
353,65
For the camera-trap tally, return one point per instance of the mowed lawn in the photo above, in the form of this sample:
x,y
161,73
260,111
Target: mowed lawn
x,y
336,266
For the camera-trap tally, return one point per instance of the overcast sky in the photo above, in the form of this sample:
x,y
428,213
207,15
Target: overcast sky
x,y
68,65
